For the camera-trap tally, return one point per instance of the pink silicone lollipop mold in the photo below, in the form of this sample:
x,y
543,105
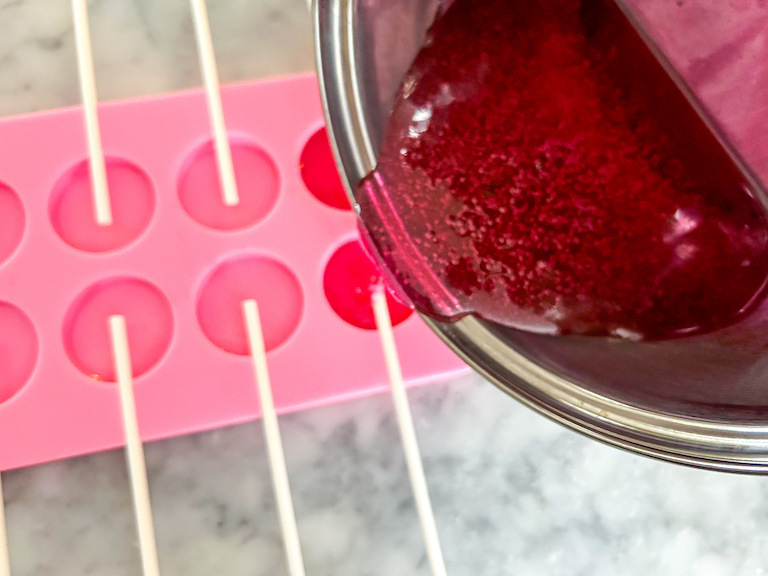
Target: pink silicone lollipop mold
x,y
176,264
18,350
133,203
148,318
261,278
258,185
11,222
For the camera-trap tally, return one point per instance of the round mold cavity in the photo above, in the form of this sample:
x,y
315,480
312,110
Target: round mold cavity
x,y
148,318
12,222
258,185
270,282
72,213
18,350
319,172
349,280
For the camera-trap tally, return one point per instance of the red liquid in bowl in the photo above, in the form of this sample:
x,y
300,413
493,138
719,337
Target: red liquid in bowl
x,y
543,171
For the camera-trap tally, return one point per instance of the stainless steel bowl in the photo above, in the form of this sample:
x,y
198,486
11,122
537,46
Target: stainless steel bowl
x,y
701,401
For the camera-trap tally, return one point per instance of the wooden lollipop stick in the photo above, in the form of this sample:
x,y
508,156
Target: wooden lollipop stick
x,y
5,562
134,448
215,108
100,190
274,443
408,435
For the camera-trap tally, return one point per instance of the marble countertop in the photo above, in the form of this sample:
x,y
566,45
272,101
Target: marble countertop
x,y
513,493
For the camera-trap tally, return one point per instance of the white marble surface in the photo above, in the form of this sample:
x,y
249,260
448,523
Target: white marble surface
x,y
513,493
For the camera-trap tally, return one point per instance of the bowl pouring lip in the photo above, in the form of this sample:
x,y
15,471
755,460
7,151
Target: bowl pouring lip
x,y
689,440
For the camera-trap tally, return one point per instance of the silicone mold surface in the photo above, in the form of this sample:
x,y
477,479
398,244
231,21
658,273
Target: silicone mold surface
x,y
176,263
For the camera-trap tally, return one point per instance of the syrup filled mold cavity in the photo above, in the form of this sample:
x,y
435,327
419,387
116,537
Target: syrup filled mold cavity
x,y
258,185
274,287
148,317
18,350
319,172
72,213
12,222
349,280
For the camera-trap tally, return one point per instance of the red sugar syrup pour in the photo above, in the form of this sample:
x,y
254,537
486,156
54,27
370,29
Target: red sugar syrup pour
x,y
542,170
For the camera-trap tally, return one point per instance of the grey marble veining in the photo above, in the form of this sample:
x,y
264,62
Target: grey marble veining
x,y
514,494
143,47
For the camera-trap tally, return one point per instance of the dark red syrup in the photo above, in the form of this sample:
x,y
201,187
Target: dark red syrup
x,y
542,170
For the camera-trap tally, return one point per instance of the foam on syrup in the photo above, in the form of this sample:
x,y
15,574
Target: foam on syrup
x,y
542,170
